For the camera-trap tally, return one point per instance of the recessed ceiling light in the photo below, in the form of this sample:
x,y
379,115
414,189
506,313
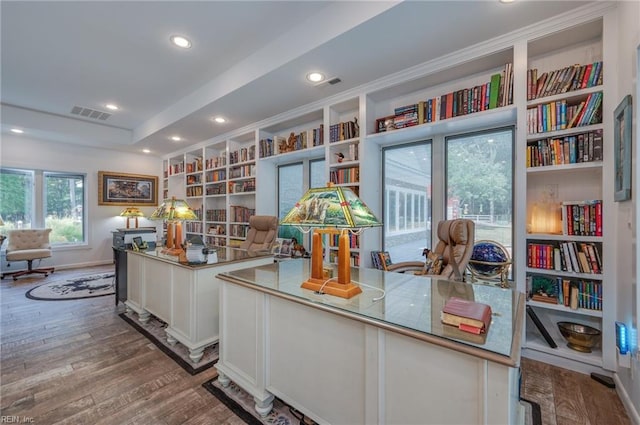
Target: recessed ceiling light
x,y
112,106
17,131
180,41
176,138
146,151
507,1
220,120
315,77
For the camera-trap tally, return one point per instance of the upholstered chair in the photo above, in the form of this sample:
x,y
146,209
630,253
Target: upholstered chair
x,y
28,245
455,240
263,230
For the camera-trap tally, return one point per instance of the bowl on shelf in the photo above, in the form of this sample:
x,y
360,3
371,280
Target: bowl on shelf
x,y
579,337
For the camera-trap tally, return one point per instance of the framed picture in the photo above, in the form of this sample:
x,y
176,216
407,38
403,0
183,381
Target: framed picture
x,y
622,150
127,189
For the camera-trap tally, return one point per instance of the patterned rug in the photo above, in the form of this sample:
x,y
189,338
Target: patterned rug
x,y
87,286
241,404
154,331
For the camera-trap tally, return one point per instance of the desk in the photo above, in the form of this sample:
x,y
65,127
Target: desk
x,y
361,361
184,296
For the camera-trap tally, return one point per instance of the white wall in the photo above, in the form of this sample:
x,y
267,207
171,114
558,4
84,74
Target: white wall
x,y
21,151
626,225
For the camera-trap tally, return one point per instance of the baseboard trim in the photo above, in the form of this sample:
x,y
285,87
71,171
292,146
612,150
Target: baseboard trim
x,y
632,412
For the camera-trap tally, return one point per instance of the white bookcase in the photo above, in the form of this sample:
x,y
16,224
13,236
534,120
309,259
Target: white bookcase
x,y
233,177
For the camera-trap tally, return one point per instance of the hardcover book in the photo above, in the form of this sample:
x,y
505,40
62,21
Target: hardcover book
x,y
468,316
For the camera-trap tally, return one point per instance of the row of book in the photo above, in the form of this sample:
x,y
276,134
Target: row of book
x,y
561,115
194,191
216,215
380,259
216,189
270,146
193,227
215,176
242,186
344,131
173,169
493,94
354,240
578,257
582,218
242,171
238,230
194,166
573,77
194,179
571,293
215,162
582,147
215,241
240,213
345,175
242,155
354,258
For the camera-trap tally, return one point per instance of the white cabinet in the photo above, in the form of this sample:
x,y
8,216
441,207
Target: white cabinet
x,y
183,296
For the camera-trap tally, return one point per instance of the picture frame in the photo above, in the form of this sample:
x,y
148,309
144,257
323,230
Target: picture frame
x,y
622,150
127,189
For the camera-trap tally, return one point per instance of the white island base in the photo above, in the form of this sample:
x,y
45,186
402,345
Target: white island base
x,y
341,370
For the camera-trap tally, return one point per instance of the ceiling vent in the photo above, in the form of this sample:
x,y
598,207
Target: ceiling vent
x,y
334,81
90,113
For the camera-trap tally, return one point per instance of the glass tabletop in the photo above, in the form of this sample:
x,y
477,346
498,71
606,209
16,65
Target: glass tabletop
x,y
398,299
223,255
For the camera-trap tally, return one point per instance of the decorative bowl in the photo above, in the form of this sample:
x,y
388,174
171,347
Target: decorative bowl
x,y
579,337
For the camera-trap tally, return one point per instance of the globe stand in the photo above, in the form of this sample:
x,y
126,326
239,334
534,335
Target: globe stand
x,y
489,261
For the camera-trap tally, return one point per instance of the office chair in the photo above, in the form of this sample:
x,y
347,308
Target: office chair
x,y
28,245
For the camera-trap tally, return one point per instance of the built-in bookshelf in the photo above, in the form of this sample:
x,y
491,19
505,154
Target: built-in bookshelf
x,y
550,82
566,243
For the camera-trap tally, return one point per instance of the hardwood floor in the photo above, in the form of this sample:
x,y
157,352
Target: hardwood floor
x,y
77,362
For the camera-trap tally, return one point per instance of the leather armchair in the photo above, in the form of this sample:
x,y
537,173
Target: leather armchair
x,y
263,230
28,245
455,240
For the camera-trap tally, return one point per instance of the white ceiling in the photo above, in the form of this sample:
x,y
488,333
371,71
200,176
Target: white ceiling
x,y
247,63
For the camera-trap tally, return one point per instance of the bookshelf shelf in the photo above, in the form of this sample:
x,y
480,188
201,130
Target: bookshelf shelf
x,y
558,307
557,237
572,275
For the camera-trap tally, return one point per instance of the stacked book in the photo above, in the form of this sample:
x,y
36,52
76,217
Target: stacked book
x,y
573,77
468,316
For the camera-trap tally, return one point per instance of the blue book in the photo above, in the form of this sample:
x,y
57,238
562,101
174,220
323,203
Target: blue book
x,y
572,150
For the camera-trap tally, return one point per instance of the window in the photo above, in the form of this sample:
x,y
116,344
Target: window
x,y
407,193
34,198
290,190
479,182
64,207
317,177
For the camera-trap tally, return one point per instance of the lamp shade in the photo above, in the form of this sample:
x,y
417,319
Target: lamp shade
x,y
131,212
333,210
173,209
331,206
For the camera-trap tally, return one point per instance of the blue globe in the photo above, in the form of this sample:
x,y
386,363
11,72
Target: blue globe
x,y
488,259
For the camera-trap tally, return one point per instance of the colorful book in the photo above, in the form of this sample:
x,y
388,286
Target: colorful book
x,y
468,316
494,90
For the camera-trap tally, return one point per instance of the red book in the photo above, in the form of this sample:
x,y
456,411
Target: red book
x,y
468,316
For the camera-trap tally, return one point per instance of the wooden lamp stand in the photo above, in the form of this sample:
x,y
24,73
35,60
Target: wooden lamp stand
x,y
174,238
343,287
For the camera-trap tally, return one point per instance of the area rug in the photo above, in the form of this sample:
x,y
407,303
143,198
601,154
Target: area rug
x,y
91,285
154,330
241,404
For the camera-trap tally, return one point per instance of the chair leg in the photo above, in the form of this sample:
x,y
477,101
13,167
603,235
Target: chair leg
x,y
30,270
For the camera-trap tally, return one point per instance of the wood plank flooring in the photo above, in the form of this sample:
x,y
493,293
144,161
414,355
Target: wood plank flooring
x,y
76,362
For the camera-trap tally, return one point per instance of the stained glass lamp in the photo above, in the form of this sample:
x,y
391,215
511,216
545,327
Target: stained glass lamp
x,y
333,210
174,211
132,212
